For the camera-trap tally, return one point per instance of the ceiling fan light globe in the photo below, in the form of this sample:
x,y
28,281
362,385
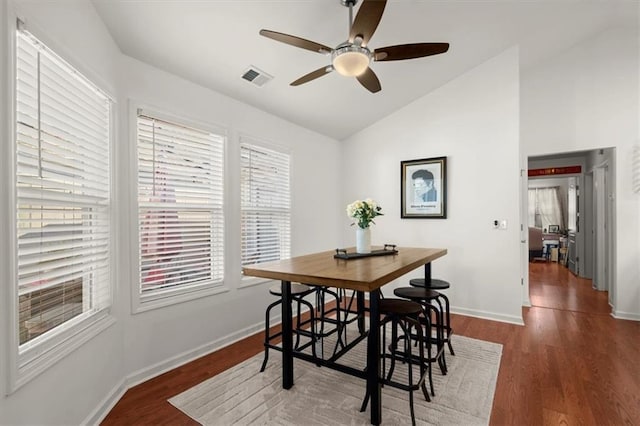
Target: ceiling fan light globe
x,y
351,61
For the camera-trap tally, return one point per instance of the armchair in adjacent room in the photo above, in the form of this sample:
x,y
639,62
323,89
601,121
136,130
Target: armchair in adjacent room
x,y
536,246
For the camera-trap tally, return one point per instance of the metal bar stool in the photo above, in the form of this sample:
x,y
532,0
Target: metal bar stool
x,y
298,293
403,316
433,317
437,284
334,319
325,324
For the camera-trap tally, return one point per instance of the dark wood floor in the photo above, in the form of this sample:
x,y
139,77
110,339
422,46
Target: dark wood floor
x,y
571,363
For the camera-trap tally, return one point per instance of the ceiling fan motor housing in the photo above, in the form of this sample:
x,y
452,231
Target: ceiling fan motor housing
x,y
350,59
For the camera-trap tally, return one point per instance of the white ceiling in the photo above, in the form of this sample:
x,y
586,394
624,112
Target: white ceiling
x,y
212,43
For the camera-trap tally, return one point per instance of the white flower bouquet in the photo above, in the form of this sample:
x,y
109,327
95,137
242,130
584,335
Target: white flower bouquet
x,y
364,211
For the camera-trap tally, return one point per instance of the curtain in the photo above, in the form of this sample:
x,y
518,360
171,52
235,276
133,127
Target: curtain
x,y
547,206
532,208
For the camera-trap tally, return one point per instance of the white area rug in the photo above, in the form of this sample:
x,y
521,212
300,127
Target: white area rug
x,y
321,396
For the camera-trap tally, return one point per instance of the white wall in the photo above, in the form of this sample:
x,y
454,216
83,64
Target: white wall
x,y
83,386
587,98
474,122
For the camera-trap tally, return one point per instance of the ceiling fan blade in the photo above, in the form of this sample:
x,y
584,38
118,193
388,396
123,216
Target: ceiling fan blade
x,y
409,51
370,81
296,41
312,75
367,20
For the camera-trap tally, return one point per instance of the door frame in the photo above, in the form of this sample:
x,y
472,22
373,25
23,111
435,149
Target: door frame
x,y
600,249
524,231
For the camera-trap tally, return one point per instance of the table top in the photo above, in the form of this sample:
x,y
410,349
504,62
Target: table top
x,y
363,274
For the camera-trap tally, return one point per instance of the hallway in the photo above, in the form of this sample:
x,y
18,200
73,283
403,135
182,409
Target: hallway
x,y
551,285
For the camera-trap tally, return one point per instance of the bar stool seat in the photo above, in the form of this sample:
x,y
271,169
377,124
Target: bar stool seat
x,y
399,307
300,290
417,293
298,293
434,284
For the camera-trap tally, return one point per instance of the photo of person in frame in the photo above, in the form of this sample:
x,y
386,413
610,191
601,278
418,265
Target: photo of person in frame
x,y
423,186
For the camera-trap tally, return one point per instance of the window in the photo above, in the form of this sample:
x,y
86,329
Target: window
x,y
180,208
546,208
62,154
265,204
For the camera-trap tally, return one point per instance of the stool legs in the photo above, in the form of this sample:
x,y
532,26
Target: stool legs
x,y
298,330
267,337
344,315
411,329
432,319
446,323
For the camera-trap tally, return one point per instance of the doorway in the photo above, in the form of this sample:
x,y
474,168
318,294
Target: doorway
x,y
585,246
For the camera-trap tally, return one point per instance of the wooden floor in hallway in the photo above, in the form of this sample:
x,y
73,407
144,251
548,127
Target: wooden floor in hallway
x,y
553,286
571,363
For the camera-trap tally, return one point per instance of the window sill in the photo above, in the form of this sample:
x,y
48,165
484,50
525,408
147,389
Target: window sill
x,y
247,281
157,301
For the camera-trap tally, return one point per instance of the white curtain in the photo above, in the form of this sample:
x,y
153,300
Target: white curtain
x,y
547,207
532,208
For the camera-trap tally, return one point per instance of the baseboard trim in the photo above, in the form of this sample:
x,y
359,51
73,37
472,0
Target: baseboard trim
x,y
487,315
630,316
176,361
112,398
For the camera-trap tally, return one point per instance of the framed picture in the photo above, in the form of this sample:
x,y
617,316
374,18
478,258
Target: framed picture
x,y
554,229
424,188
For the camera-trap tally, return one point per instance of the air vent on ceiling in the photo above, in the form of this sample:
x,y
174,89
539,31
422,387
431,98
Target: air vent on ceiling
x,y
256,76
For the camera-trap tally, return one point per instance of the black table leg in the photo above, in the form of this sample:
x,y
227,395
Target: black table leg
x,y
427,275
360,308
287,336
374,388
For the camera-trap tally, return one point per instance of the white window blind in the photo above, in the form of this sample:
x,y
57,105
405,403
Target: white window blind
x,y
63,194
265,204
180,207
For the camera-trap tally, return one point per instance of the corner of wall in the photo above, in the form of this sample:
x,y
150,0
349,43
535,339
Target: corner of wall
x,y
4,190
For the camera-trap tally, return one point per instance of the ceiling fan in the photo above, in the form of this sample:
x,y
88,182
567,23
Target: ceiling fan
x,y
352,57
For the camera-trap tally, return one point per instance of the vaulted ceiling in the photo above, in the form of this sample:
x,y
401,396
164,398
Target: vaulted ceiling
x,y
213,42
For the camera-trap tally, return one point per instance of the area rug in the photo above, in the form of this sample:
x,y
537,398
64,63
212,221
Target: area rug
x,y
321,396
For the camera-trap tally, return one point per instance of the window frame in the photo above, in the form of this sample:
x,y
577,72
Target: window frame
x,y
40,355
140,304
248,281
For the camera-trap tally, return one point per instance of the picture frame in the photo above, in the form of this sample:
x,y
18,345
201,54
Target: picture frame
x,y
554,229
423,188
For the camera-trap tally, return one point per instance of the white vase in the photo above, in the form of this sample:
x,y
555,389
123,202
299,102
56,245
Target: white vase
x,y
363,240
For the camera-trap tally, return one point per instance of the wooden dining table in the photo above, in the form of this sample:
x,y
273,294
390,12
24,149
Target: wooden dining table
x,y
364,275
